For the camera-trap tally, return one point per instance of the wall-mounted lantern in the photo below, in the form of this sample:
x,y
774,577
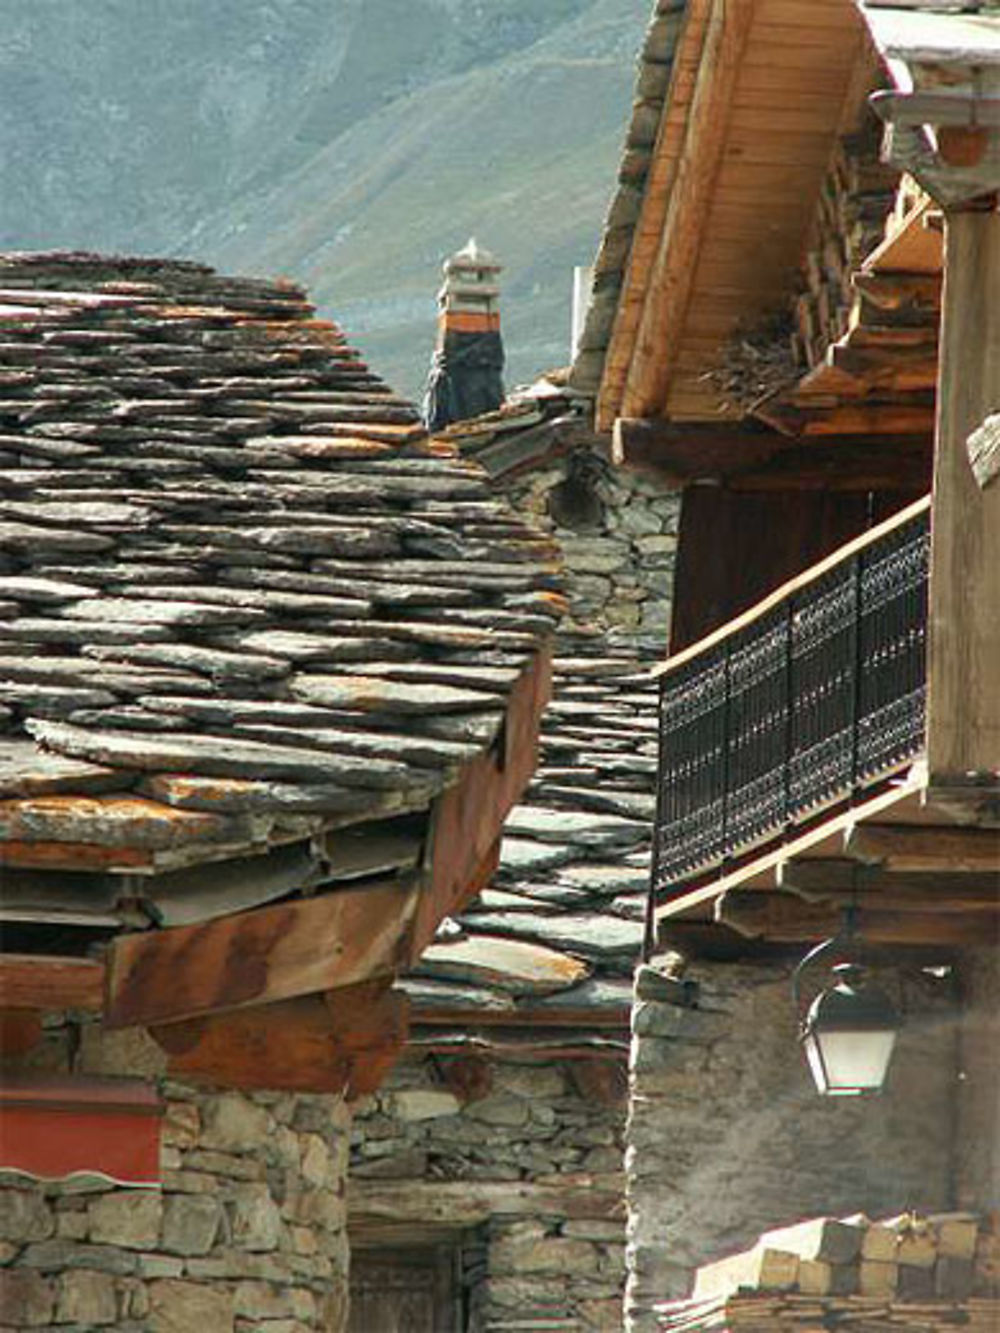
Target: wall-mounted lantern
x,y
849,1030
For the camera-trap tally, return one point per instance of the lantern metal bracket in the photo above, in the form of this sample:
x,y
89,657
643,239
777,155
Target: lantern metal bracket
x,y
844,936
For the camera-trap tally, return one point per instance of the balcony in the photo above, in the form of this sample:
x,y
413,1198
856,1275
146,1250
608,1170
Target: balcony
x,y
813,699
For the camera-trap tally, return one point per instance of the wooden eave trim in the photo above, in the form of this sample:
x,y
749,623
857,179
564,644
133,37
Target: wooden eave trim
x,y
347,935
468,818
658,192
671,280
794,585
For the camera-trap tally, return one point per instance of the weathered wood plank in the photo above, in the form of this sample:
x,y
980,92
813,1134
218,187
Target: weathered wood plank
x,y
343,1041
468,818
842,881
469,1202
976,851
963,703
20,1031
257,957
45,982
785,917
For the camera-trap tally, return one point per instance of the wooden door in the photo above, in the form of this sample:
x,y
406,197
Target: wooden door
x,y
411,1290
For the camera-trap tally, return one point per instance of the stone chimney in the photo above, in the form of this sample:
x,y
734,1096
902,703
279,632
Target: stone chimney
x,y
466,374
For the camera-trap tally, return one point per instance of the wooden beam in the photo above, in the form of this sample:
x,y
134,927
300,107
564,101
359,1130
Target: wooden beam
x,y
20,1032
784,917
47,983
797,416
680,453
468,818
841,881
975,851
963,703
258,957
910,245
897,463
890,369
345,1041
671,281
458,1203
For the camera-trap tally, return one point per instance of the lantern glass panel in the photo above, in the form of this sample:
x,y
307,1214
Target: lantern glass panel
x,y
847,1064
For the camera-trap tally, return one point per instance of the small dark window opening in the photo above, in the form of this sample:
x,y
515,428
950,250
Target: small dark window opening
x,y
575,503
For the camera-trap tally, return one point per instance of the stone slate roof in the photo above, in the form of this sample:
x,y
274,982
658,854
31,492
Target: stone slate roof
x,y
551,944
654,69
243,598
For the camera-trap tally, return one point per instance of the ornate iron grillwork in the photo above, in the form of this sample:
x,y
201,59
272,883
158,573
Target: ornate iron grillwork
x,y
819,692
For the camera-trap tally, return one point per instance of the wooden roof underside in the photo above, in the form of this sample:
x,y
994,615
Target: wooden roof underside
x,y
759,95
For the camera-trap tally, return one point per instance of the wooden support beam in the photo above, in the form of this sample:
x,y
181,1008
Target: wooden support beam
x,y
576,1195
45,982
934,848
899,463
678,452
345,1041
840,882
671,280
20,1031
963,703
824,839
886,369
795,415
785,917
258,957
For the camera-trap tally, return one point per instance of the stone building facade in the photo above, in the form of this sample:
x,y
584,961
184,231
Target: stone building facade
x,y
518,1169
247,1231
522,1184
727,1137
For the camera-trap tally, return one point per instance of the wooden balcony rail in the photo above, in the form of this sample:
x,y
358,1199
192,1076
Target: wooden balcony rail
x,y
814,692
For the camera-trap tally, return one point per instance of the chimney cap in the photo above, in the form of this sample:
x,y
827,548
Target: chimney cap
x,y
472,255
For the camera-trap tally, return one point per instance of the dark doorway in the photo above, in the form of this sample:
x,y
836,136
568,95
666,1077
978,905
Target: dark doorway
x,y
416,1289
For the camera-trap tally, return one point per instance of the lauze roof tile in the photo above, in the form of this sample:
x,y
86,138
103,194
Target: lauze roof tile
x,y
244,600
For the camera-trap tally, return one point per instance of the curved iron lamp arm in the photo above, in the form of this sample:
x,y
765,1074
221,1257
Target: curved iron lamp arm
x,y
844,935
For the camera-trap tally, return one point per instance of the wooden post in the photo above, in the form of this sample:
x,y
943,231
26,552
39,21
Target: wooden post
x,y
963,712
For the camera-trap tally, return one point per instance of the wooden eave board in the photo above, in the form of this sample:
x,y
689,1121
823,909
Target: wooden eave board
x,y
776,152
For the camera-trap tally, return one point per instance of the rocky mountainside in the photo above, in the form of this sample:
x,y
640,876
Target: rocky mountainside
x,y
348,143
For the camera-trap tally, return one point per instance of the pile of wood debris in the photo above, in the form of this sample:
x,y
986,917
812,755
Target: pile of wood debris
x,y
921,1274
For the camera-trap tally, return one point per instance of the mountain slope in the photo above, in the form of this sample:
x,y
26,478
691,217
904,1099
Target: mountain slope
x,y
349,143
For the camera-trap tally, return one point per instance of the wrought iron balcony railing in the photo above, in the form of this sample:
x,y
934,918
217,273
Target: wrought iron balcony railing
x,y
816,691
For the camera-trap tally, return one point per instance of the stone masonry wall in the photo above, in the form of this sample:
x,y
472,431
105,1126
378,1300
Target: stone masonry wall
x,y
978,1135
247,1232
618,533
531,1123
727,1137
